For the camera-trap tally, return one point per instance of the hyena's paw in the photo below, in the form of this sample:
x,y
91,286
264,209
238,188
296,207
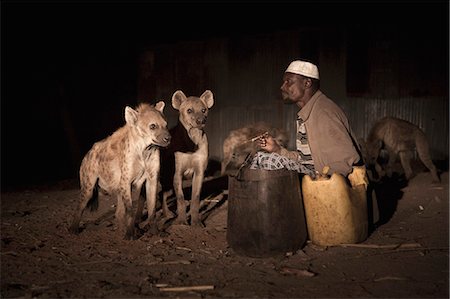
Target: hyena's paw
x,y
130,237
180,221
131,234
139,232
197,223
74,229
169,214
436,180
151,228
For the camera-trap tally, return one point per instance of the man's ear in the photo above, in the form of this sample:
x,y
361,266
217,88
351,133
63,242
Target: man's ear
x,y
308,82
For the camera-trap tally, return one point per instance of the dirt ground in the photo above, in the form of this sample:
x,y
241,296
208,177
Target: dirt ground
x,y
405,256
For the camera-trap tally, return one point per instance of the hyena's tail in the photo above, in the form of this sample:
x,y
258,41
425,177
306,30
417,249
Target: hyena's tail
x,y
423,150
93,201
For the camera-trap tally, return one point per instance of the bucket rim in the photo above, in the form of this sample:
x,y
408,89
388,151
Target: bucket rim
x,y
247,174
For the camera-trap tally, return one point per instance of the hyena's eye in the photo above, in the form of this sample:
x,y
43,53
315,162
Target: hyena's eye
x,y
203,110
153,126
189,110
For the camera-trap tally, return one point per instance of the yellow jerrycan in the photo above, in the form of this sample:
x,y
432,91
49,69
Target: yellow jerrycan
x,y
336,210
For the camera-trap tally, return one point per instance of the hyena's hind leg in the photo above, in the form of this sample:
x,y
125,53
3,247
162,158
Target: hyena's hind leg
x,y
88,197
120,214
423,151
391,158
124,216
405,160
139,198
168,214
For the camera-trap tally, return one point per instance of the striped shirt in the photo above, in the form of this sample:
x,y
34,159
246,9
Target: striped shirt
x,y
303,148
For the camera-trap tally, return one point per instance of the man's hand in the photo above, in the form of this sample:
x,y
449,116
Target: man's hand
x,y
269,144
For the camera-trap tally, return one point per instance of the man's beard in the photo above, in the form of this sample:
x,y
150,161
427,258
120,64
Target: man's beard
x,y
286,99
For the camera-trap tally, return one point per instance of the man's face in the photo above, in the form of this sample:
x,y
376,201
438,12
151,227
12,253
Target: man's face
x,y
293,89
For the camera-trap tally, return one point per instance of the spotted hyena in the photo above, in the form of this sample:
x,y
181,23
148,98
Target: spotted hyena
x,y
391,137
240,145
122,163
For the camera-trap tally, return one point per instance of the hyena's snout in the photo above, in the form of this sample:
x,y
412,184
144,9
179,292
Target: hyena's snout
x,y
163,138
200,120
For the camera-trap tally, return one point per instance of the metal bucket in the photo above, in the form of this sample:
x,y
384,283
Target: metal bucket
x,y
265,213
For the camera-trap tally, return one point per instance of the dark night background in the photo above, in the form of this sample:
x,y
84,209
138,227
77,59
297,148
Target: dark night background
x,y
69,68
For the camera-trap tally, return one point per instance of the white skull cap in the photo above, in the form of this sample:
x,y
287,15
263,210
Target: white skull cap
x,y
303,68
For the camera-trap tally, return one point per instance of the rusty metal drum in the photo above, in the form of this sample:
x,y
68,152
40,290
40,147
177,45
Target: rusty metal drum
x,y
265,213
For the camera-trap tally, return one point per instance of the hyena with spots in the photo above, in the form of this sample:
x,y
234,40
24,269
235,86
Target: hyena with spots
x,y
240,145
400,138
122,163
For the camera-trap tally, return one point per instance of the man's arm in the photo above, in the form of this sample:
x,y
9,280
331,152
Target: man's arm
x,y
269,144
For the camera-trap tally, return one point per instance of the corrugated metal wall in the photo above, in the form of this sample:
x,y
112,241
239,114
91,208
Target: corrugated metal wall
x,y
430,114
245,74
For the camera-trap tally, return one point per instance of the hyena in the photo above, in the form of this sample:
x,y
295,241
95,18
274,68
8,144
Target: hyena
x,y
399,138
187,155
240,145
121,163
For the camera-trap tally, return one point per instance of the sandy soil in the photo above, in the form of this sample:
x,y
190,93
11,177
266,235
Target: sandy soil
x,y
406,256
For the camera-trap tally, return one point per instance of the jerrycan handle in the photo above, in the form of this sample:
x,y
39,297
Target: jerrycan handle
x,y
322,175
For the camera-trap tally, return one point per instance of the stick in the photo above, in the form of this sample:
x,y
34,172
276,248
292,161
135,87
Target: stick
x,y
297,272
412,249
13,253
387,246
214,203
183,248
259,136
389,278
183,262
188,288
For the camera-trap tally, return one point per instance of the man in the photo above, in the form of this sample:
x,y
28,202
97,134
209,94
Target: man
x,y
325,141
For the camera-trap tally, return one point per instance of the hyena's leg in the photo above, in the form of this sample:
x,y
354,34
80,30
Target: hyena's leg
x,y
151,186
392,157
120,213
124,211
166,211
139,200
88,193
195,199
379,170
181,203
424,155
405,159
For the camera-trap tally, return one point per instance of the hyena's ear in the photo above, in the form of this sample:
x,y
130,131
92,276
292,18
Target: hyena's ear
x,y
160,106
131,115
207,98
178,98
379,144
